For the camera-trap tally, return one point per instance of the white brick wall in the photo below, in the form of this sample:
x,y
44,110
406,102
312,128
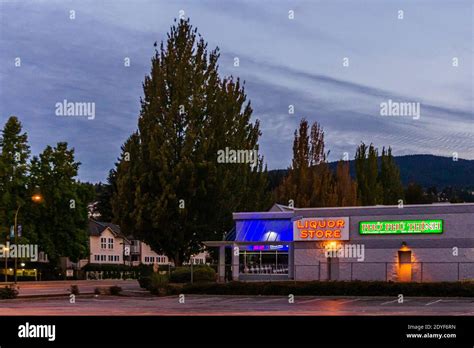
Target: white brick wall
x,y
439,264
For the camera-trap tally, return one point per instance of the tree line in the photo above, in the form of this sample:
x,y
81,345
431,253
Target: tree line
x,y
310,182
58,223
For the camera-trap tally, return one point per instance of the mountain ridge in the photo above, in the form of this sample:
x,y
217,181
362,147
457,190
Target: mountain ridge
x,y
426,170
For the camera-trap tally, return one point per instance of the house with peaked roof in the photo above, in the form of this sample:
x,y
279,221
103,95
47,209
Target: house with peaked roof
x,y
107,244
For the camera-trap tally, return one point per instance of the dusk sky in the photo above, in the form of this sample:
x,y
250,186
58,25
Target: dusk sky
x,y
283,62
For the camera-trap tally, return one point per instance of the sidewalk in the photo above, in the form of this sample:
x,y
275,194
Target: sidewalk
x,y
62,287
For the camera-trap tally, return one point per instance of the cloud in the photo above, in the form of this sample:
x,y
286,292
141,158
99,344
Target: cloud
x,y
283,62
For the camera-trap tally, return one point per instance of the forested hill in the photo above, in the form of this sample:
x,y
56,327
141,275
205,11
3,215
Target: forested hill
x,y
426,170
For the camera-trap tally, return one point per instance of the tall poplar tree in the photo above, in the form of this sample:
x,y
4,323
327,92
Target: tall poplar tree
x,y
374,189
392,187
309,182
345,186
173,194
377,186
361,173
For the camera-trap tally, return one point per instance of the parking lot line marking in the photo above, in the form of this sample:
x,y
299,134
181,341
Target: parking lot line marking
x,y
433,302
231,300
308,301
388,302
349,301
274,300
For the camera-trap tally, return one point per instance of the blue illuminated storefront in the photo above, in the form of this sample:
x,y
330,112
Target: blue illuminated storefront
x,y
294,243
260,245
263,257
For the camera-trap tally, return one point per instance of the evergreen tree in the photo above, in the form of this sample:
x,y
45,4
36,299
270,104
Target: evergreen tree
x,y
126,175
173,194
389,179
309,182
296,186
346,187
59,223
13,172
361,173
374,188
104,193
414,194
367,175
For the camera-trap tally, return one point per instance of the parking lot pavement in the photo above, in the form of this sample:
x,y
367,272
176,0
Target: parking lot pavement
x,y
238,305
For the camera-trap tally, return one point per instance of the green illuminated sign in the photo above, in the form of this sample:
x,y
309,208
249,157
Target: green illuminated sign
x,y
401,227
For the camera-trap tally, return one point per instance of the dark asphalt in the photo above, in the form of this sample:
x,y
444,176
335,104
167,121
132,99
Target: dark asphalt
x,y
236,305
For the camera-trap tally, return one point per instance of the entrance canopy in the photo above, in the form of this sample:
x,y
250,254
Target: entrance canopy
x,y
280,230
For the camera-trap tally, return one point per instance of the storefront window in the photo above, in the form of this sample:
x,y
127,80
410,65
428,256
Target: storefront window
x,y
263,262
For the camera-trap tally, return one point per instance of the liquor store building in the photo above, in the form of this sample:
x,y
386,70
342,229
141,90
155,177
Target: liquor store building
x,y
420,243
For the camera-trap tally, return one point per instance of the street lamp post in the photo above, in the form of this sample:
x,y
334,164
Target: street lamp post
x,y
6,264
15,231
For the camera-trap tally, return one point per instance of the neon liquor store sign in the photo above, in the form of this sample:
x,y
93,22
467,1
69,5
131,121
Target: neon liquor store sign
x,y
401,227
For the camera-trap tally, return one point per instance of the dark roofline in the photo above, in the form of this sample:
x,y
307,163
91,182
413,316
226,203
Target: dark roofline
x,y
104,225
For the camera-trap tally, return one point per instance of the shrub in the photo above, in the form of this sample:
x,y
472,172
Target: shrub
x,y
8,292
144,282
181,275
115,290
144,270
119,271
174,289
200,274
158,283
74,290
204,274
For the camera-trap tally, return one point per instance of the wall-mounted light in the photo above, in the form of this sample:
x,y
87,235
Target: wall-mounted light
x,y
330,245
404,247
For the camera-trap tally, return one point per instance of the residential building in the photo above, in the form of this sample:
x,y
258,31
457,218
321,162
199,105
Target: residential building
x,y
106,243
109,246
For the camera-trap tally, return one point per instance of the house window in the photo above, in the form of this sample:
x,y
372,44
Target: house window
x,y
111,258
103,258
103,243
116,257
111,243
96,257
